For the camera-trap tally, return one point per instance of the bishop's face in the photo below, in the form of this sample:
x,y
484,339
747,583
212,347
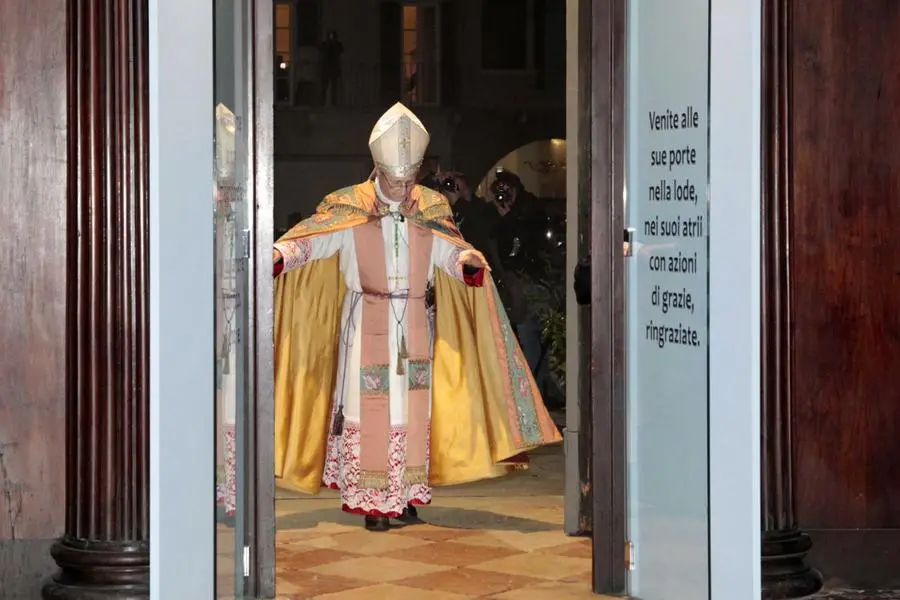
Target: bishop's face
x,y
395,188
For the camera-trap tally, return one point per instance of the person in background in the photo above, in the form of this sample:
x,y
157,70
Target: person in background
x,y
331,50
532,262
369,399
475,218
507,231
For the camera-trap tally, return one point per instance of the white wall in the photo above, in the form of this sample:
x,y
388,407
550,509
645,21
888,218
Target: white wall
x,y
182,419
734,299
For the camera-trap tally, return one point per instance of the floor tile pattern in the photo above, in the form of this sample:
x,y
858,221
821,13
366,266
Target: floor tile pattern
x,y
335,561
500,539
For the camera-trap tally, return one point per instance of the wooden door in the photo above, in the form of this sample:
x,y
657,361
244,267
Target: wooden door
x,y
845,284
33,172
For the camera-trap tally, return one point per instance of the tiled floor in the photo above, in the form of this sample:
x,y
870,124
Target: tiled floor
x,y
500,539
337,561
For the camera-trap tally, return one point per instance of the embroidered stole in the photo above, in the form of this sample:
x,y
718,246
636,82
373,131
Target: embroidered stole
x,y
414,359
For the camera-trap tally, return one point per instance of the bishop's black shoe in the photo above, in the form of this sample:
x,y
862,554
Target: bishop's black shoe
x,y
410,516
378,523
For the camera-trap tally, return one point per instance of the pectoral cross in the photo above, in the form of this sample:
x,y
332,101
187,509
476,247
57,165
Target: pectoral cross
x,y
396,277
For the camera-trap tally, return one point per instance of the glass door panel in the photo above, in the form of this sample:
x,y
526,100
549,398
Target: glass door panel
x,y
231,221
667,292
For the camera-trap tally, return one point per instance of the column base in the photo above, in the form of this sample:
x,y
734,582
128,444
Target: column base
x,y
99,570
785,573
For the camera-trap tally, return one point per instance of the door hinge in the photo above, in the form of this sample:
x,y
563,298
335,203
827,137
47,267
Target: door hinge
x,y
628,245
245,244
246,561
629,556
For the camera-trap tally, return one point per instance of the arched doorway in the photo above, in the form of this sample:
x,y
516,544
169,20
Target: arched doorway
x,y
541,165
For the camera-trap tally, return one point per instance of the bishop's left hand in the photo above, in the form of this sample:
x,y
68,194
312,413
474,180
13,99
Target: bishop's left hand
x,y
473,258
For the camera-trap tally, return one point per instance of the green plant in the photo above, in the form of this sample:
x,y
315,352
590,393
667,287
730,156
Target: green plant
x,y
553,328
546,295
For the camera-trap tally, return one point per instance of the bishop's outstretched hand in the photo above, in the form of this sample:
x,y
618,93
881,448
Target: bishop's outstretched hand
x,y
473,258
277,262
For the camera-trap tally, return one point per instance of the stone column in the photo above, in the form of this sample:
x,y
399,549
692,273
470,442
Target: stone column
x,y
105,550
784,545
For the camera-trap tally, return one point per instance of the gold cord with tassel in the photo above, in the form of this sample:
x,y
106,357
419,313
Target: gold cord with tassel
x,y
402,355
337,426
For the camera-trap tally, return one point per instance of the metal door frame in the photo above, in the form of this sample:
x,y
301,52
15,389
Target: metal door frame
x,y
602,118
607,403
261,428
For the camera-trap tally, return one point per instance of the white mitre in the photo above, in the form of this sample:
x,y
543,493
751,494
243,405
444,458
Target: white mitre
x,y
398,142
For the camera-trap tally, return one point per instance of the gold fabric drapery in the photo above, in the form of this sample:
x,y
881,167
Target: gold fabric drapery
x,y
486,408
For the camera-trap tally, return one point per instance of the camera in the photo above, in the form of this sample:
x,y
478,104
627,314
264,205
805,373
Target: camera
x,y
502,192
448,184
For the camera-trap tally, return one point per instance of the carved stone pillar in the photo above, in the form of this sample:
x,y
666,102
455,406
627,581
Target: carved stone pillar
x,y
105,550
784,545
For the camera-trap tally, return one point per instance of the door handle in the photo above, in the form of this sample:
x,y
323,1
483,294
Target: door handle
x,y
628,242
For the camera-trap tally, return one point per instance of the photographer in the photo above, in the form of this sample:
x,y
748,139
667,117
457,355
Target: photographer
x,y
473,216
527,236
532,253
